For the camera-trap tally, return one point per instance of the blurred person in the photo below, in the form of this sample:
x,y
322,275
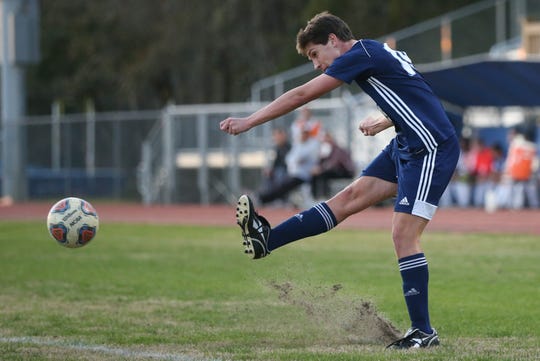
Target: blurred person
x,y
499,160
335,162
521,166
6,201
304,118
495,196
276,173
459,190
300,160
483,168
415,167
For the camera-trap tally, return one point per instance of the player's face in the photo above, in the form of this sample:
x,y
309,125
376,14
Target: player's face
x,y
322,55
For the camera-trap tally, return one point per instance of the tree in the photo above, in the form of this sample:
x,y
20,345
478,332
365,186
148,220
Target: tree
x,y
142,54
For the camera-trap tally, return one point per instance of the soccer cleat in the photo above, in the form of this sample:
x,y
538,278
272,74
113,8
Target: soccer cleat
x,y
255,228
414,338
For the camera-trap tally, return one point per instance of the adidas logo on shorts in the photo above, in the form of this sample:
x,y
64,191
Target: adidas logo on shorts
x,y
404,201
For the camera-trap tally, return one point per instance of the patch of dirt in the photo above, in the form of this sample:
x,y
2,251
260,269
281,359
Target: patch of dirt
x,y
344,320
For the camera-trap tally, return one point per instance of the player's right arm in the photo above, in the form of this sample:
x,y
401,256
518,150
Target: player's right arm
x,y
282,105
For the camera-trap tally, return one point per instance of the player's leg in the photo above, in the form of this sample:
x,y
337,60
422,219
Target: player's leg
x,y
322,217
260,239
406,232
377,183
359,195
422,183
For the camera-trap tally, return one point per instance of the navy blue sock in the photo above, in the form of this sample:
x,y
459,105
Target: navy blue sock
x,y
318,219
415,276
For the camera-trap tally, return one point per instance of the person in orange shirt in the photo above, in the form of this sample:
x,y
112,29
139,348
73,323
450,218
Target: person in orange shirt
x,y
521,165
483,169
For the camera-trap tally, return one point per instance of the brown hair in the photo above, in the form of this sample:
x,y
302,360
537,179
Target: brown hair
x,y
319,28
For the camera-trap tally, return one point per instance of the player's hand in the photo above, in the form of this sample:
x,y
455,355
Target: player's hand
x,y
234,126
371,126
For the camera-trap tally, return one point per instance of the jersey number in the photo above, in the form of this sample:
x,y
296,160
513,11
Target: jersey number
x,y
404,60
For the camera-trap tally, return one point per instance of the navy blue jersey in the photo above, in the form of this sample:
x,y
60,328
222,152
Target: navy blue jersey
x,y
389,77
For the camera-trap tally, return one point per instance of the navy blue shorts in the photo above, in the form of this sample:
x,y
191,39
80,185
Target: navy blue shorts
x,y
421,179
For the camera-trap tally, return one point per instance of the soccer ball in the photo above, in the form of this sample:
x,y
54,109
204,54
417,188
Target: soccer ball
x,y
72,222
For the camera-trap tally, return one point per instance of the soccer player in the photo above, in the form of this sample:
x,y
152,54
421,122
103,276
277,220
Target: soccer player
x,y
415,167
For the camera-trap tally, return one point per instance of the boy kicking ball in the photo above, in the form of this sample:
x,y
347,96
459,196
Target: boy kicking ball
x,y
415,167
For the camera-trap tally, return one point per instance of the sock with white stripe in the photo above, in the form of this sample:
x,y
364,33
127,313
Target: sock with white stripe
x,y
415,276
318,219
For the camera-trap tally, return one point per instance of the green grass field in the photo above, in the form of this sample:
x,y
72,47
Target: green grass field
x,y
145,292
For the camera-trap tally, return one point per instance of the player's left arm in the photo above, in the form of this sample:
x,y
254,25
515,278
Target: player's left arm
x,y
282,105
373,126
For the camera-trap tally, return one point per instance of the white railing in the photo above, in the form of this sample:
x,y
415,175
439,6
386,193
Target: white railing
x,y
186,158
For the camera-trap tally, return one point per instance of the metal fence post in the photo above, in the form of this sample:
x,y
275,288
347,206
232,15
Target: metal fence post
x,y
13,106
144,183
202,174
90,138
56,140
500,21
168,156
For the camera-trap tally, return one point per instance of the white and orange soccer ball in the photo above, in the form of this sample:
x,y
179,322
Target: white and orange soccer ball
x,y
73,222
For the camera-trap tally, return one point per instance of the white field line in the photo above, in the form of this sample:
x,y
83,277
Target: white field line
x,y
123,352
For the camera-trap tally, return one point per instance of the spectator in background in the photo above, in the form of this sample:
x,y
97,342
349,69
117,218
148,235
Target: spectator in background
x,y
276,173
521,166
496,195
459,190
335,162
498,163
483,168
305,118
300,160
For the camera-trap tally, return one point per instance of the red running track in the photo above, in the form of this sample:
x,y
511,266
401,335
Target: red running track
x,y
447,220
